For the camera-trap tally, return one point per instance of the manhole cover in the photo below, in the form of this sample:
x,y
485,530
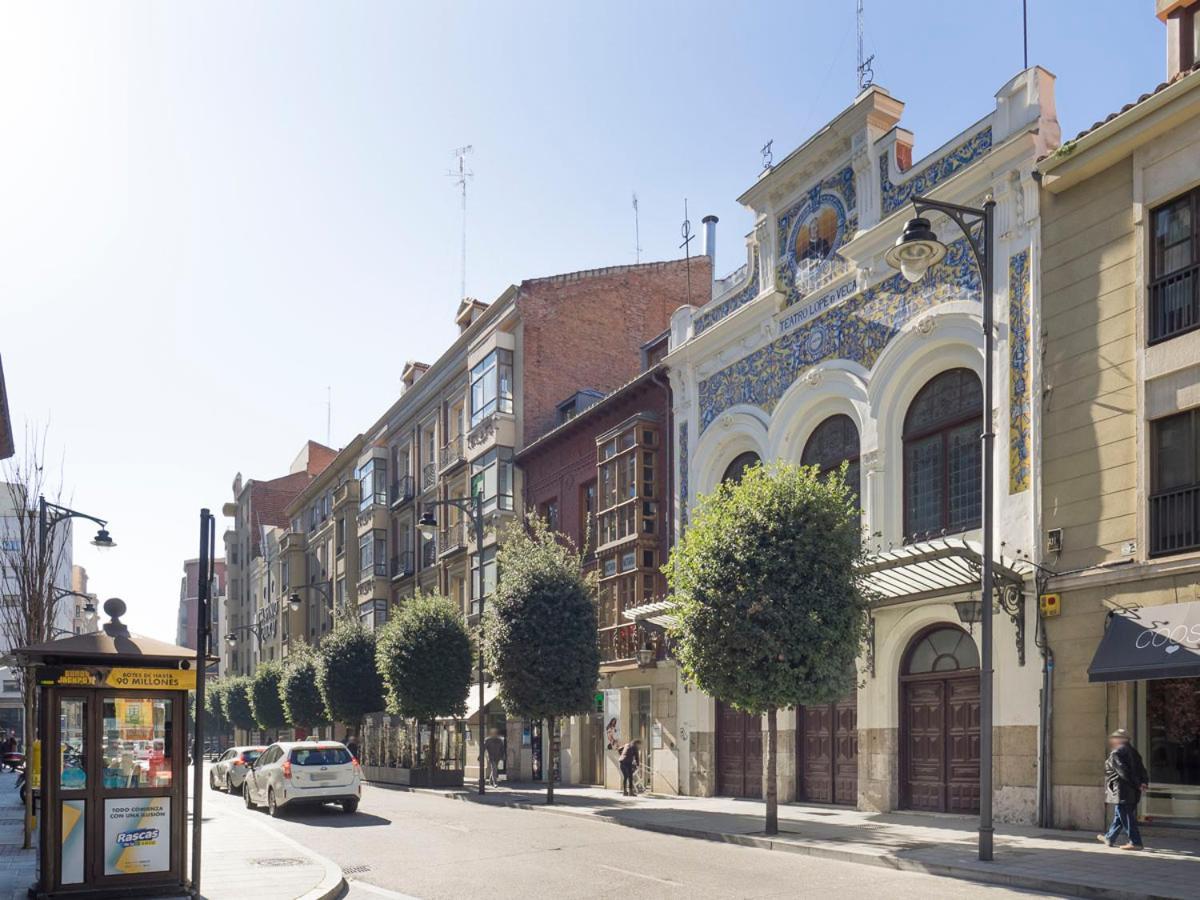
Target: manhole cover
x,y
280,861
355,870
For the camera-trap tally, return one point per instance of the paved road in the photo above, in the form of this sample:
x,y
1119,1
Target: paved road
x,y
431,847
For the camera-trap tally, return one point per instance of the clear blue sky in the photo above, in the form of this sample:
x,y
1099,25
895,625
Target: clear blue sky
x,y
211,211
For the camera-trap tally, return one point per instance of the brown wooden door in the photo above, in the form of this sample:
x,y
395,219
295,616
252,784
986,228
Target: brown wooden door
x,y
845,752
739,753
962,744
941,743
827,755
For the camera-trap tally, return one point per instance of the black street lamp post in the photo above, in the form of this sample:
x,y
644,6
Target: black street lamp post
x,y
49,516
231,634
915,251
471,506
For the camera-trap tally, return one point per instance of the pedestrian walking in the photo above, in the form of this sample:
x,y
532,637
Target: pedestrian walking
x,y
1125,779
493,747
351,745
629,759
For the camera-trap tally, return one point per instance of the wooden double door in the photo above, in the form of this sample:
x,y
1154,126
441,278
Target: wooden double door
x,y
940,742
739,753
827,752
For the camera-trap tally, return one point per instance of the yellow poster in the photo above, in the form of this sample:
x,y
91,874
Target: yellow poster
x,y
152,679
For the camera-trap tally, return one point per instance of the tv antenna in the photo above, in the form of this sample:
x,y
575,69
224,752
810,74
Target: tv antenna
x,y
866,75
637,231
685,231
460,178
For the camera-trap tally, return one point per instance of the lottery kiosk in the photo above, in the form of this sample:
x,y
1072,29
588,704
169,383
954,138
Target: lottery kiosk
x,y
112,724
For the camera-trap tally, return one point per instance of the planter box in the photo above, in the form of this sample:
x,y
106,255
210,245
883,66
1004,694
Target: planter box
x,y
414,777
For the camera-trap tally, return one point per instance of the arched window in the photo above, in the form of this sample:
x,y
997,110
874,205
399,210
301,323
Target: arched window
x,y
816,237
833,442
736,469
942,650
942,456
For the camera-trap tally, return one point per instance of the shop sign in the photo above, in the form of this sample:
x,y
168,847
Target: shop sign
x,y
137,835
152,679
71,853
612,719
120,677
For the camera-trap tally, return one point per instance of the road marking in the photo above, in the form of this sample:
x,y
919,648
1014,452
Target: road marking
x,y
356,885
640,875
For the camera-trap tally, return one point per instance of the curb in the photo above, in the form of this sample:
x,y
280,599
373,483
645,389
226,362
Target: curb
x,y
823,851
332,883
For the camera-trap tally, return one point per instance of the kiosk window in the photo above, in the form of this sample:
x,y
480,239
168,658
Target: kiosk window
x,y
137,742
72,774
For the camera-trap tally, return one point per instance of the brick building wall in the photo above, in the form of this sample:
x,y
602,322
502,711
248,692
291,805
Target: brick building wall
x,y
557,468
586,329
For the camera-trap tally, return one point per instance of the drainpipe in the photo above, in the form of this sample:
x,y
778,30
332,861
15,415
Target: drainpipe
x,y
1045,799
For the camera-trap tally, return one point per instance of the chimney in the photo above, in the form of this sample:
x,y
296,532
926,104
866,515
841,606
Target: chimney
x,y
1182,18
710,240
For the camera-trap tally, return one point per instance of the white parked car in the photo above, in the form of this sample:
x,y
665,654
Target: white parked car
x,y
228,771
295,772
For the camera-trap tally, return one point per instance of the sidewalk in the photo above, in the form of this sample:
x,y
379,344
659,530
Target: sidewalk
x,y
1058,862
242,857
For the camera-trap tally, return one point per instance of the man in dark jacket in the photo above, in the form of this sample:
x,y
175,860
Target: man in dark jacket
x,y
629,759
1125,778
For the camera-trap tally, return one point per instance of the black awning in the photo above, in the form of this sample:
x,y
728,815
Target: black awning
x,y
1151,642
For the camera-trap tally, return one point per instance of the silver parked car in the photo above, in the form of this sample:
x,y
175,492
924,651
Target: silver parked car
x,y
229,770
295,772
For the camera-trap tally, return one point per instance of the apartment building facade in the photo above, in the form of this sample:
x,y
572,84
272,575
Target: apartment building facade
x,y
189,602
601,478
256,508
1121,442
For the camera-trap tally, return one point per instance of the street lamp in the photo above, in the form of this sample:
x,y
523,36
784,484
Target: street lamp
x,y
295,602
231,635
427,525
915,251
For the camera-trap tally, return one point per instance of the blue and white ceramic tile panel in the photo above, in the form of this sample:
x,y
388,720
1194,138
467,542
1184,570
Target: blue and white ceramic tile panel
x,y
838,193
744,295
683,476
1018,372
894,196
856,330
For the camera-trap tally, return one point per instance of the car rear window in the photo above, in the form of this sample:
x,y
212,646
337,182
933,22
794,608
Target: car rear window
x,y
250,755
322,756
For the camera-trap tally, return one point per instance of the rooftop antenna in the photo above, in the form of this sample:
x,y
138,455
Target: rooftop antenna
x,y
460,178
686,231
1025,30
866,75
637,231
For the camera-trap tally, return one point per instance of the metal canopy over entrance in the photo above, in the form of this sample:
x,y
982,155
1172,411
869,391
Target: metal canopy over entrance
x,y
656,613
935,569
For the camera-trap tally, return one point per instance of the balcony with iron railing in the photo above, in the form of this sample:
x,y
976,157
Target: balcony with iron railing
x,y
621,643
1175,521
401,491
452,538
429,475
452,454
1174,304
402,565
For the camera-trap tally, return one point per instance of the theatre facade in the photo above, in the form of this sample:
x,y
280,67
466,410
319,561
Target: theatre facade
x,y
817,352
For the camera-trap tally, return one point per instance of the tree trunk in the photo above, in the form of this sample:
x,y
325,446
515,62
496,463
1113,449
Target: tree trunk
x,y
548,759
772,787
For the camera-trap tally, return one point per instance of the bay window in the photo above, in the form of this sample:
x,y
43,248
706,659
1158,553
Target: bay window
x,y
372,483
488,558
491,385
492,479
372,554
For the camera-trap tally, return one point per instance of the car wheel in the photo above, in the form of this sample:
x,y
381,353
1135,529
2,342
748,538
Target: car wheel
x,y
212,784
272,806
246,795
229,784
349,806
